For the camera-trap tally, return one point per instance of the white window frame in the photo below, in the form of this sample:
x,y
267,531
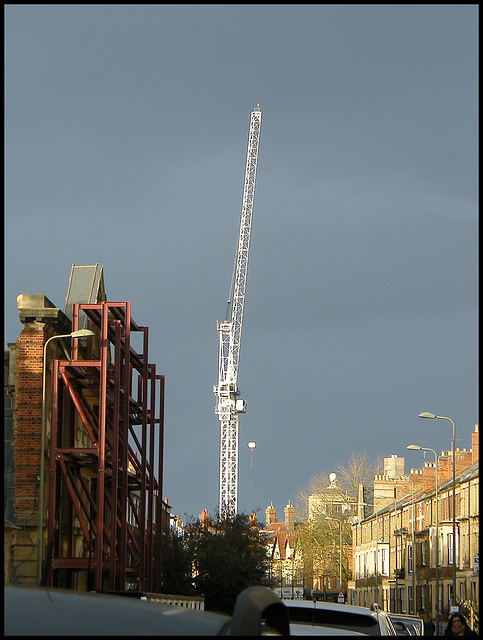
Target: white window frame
x,y
384,562
450,543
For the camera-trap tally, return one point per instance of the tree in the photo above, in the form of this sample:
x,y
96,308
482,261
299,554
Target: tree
x,y
227,557
176,566
319,540
358,470
317,535
315,486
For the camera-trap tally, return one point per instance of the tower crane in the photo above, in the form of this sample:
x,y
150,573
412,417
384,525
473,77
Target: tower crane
x,y
228,403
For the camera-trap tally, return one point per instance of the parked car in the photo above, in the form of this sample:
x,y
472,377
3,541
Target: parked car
x,y
330,618
34,611
407,625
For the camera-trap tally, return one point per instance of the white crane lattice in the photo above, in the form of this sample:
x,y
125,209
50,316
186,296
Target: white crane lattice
x,y
228,404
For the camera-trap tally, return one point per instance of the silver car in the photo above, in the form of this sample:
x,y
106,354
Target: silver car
x,y
329,618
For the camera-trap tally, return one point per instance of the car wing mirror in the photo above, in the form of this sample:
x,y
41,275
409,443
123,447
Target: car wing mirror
x,y
255,608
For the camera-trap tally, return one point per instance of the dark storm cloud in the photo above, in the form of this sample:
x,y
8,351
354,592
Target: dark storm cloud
x,y
125,141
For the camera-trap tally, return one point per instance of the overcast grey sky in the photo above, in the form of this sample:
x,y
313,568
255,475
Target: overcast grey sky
x,y
125,138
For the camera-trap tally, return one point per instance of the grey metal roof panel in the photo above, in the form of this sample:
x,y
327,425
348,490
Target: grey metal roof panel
x,y
86,284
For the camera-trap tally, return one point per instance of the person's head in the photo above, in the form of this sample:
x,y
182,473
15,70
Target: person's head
x,y
457,621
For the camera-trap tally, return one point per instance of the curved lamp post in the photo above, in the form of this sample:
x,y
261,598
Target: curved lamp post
x,y
426,414
415,447
81,333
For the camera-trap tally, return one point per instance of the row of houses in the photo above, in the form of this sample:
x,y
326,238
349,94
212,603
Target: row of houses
x,y
405,555
385,551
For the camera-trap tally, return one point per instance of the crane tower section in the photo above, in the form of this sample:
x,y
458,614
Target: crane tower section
x,y
228,404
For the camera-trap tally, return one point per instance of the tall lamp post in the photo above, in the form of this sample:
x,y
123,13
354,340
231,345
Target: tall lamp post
x,y
415,447
377,548
426,414
413,576
396,600
340,548
81,333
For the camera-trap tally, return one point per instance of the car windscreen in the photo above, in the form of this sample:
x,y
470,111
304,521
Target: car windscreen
x,y
344,620
414,626
401,628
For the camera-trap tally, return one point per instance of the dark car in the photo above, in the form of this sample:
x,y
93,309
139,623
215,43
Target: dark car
x,y
34,611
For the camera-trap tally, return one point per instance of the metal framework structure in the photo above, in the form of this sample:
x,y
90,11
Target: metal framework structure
x,y
228,404
105,511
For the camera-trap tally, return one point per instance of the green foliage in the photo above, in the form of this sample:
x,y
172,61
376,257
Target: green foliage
x,y
227,558
319,541
176,566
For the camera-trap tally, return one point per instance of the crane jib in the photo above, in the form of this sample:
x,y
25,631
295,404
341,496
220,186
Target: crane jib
x,y
228,404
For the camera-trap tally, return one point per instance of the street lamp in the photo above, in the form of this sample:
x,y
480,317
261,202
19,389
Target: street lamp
x,y
426,414
415,447
377,549
81,333
340,547
390,581
251,445
413,571
396,599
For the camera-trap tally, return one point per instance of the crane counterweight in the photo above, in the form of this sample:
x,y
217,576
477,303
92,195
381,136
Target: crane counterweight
x,y
228,404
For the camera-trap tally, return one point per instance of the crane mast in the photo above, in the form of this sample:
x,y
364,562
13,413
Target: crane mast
x,y
228,404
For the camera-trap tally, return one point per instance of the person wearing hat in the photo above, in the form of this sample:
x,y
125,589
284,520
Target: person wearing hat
x,y
457,626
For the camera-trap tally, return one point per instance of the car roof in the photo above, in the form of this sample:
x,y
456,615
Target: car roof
x,y
405,616
43,611
332,606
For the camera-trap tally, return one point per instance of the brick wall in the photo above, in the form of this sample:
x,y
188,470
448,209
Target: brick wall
x,y
463,459
28,421
475,444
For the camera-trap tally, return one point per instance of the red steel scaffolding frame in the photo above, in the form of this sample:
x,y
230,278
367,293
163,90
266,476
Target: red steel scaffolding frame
x,y
105,514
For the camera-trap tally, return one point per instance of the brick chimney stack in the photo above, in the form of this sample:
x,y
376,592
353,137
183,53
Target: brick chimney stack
x,y
270,515
204,518
475,441
290,517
